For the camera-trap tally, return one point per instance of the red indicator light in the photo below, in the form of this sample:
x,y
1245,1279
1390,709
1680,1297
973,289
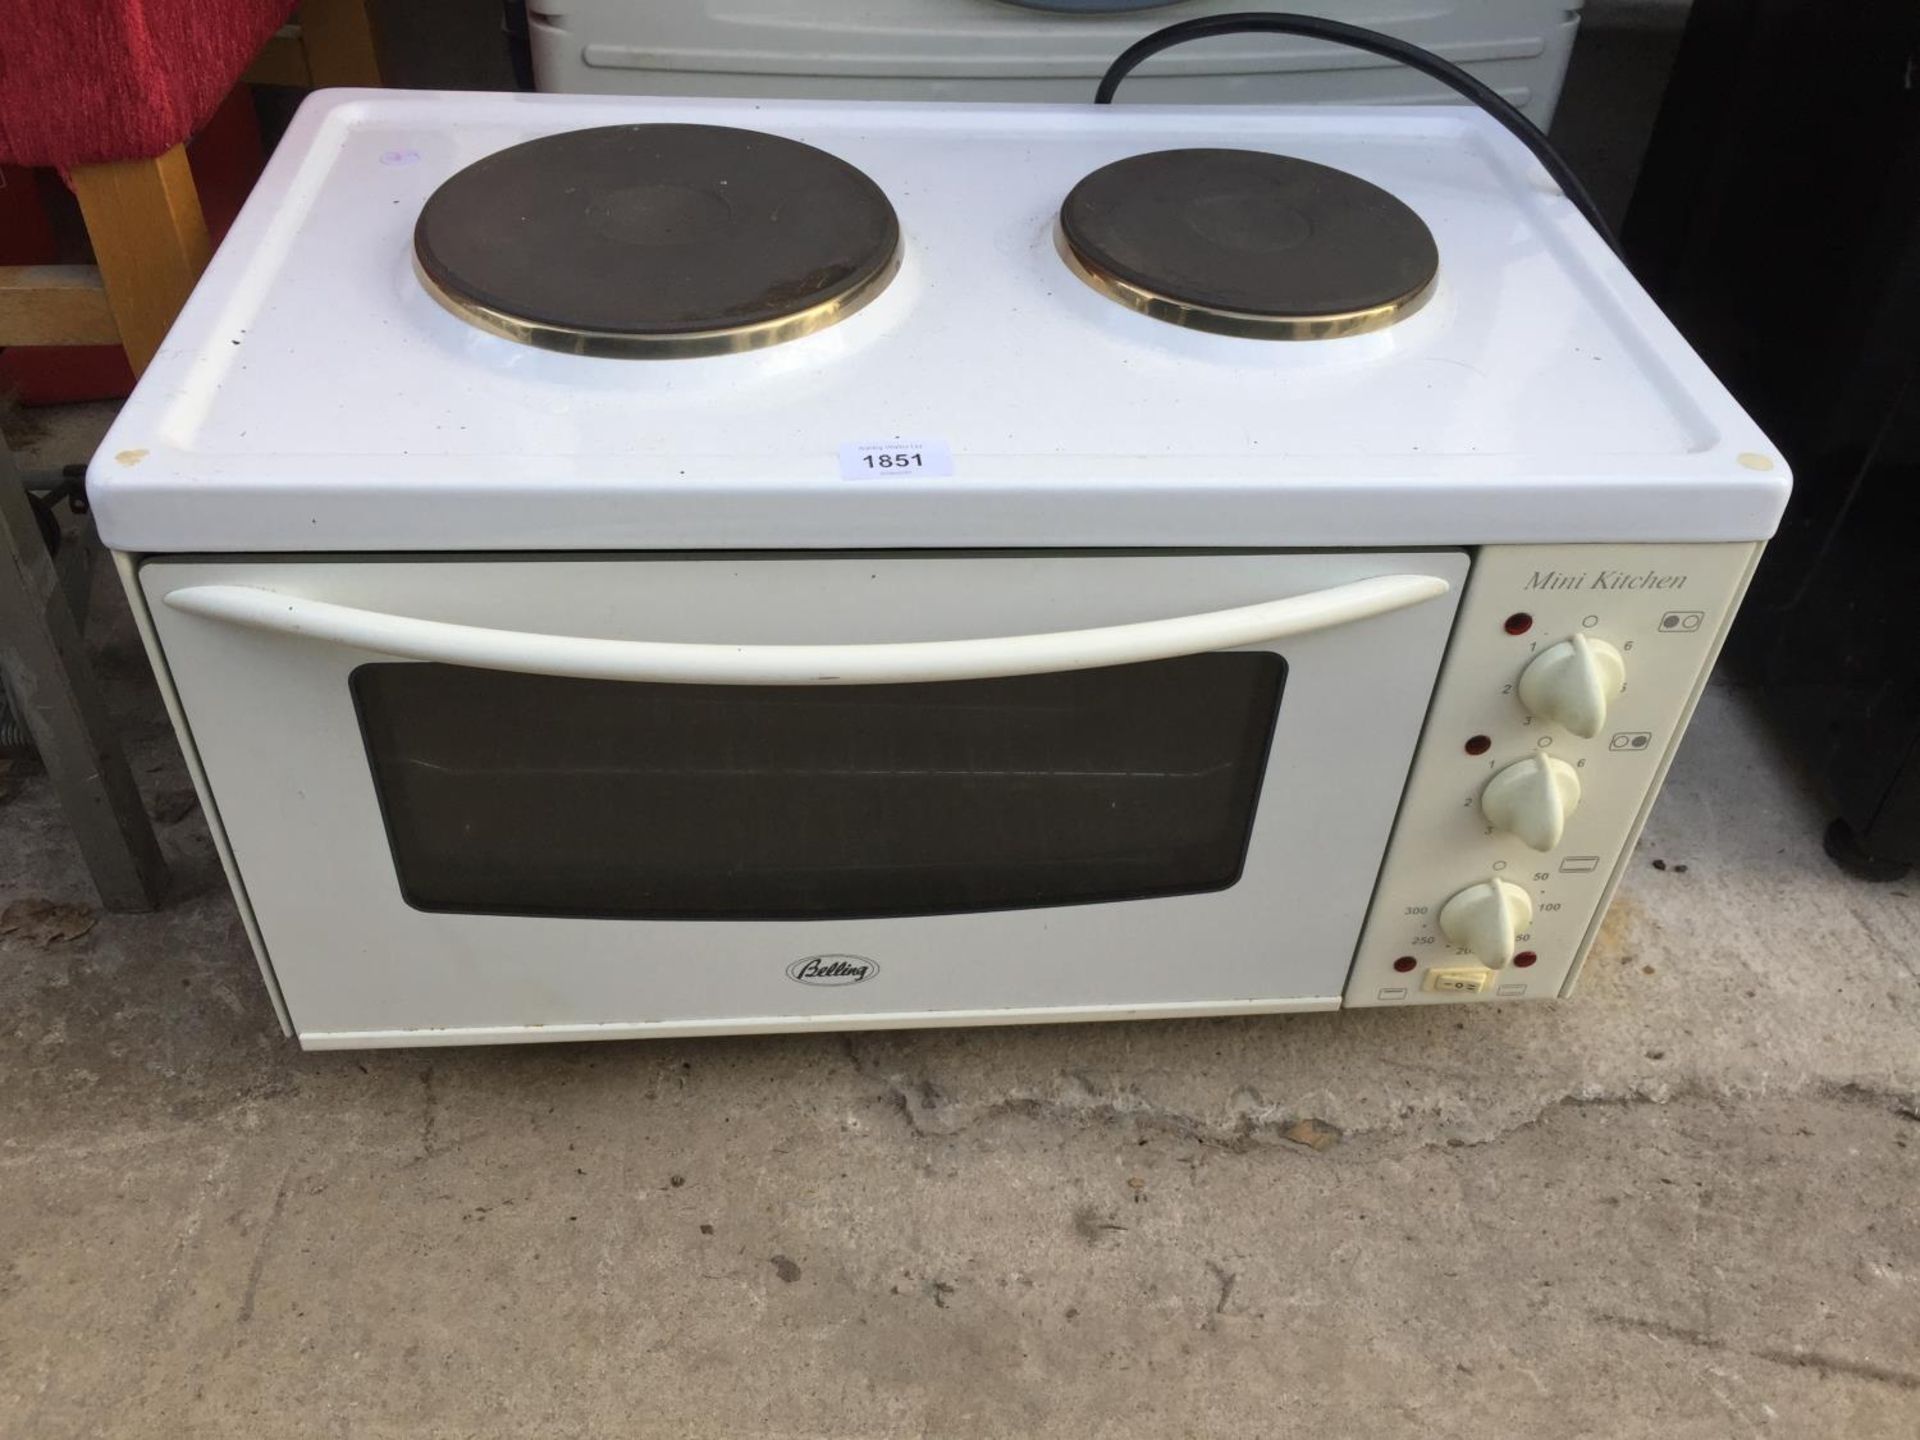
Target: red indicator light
x,y
1478,745
1525,958
1405,963
1519,623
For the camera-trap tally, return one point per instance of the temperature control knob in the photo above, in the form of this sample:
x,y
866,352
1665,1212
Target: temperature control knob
x,y
1569,684
1486,920
1532,799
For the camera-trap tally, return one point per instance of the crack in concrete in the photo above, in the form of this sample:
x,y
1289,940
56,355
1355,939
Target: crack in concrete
x,y
1226,1279
931,1112
267,1233
1819,1361
430,1117
943,1118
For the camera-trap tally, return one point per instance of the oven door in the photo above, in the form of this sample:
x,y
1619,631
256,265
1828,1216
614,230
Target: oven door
x,y
555,797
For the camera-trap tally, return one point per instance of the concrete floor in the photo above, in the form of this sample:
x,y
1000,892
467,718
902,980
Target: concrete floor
x,y
1681,1205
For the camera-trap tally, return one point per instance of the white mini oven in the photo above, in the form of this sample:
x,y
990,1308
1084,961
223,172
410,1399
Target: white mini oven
x,y
1005,564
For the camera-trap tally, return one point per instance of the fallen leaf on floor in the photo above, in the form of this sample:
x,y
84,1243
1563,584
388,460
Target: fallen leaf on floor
x,y
43,922
1314,1134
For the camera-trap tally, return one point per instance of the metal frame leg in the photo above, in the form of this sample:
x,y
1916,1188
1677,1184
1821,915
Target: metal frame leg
x,y
46,665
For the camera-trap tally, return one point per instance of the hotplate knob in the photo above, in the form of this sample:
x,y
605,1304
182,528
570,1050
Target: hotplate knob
x,y
1571,683
1487,919
1531,800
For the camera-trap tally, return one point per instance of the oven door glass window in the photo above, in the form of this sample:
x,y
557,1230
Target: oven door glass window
x,y
535,795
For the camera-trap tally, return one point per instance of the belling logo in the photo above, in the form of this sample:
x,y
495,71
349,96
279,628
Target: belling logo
x,y
832,970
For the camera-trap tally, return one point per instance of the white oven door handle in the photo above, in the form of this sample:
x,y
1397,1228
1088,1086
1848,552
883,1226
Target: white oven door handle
x,y
879,664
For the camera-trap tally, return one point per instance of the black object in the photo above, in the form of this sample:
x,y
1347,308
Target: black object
x,y
543,795
1778,222
1358,37
1843,847
1248,231
654,231
519,38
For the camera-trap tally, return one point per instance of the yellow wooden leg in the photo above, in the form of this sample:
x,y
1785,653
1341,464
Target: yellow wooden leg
x,y
338,39
149,240
55,305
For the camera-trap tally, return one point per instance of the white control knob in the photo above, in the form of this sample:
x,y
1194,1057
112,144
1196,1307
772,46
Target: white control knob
x,y
1532,799
1569,684
1486,920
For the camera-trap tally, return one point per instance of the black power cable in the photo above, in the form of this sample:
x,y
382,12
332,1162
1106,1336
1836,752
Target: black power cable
x,y
1338,32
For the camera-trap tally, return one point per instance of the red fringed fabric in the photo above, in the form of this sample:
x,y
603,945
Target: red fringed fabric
x,y
82,81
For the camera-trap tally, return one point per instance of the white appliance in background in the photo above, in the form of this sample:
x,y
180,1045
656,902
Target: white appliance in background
x,y
1029,50
888,616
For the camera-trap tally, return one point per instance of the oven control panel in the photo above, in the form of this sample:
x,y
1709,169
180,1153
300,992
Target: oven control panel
x,y
1570,676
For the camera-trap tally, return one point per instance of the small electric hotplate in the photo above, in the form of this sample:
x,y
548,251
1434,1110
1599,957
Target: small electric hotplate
x,y
656,240
1249,243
